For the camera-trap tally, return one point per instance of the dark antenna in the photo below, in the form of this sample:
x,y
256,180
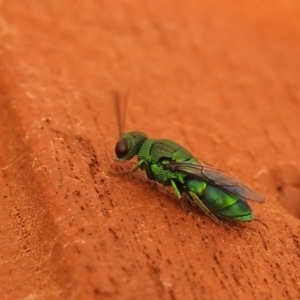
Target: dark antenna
x,y
120,110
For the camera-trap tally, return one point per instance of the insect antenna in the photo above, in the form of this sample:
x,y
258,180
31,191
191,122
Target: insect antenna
x,y
120,111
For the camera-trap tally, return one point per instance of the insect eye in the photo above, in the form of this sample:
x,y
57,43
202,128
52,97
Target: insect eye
x,y
122,147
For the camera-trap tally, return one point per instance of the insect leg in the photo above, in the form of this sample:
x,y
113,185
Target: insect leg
x,y
144,165
139,165
179,195
174,186
205,209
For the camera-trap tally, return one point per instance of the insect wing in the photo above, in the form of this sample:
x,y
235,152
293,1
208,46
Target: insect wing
x,y
217,178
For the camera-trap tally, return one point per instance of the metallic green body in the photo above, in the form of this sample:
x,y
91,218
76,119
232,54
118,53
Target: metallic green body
x,y
155,157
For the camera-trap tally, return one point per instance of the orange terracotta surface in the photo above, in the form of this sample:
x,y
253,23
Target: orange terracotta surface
x,y
221,78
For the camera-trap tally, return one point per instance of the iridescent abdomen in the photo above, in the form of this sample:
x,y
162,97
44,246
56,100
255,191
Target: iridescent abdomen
x,y
219,202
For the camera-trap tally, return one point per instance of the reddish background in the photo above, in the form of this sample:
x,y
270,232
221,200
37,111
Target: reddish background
x,y
221,78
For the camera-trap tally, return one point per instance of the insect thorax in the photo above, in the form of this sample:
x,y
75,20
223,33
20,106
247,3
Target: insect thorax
x,y
157,152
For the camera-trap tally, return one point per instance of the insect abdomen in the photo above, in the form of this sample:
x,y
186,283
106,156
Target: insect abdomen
x,y
219,202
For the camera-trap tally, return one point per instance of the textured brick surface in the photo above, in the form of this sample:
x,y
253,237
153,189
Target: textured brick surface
x,y
220,78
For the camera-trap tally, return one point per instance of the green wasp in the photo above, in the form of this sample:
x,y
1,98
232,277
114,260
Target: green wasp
x,y
216,193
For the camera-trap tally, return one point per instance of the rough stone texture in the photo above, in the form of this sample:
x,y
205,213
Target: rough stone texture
x,y
219,77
